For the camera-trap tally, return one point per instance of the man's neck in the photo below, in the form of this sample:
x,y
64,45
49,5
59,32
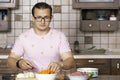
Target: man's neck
x,y
41,32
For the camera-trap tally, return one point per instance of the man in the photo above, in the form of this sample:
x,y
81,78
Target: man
x,y
41,47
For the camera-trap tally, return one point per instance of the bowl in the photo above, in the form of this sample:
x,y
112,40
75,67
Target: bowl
x,y
78,77
92,72
45,76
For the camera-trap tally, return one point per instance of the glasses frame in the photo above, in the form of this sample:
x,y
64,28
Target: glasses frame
x,y
45,18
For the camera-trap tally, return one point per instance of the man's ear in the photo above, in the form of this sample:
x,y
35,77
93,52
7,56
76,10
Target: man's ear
x,y
33,19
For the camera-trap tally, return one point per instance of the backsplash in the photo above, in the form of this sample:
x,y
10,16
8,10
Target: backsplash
x,y
64,19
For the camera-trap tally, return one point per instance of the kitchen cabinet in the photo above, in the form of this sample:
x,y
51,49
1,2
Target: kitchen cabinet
x,y
4,20
99,20
6,72
4,69
94,25
105,66
102,64
115,66
95,4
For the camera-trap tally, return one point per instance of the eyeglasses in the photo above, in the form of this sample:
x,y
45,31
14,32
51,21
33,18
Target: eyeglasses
x,y
46,18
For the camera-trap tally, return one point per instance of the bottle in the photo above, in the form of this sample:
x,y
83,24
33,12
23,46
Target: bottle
x,y
4,15
76,47
113,17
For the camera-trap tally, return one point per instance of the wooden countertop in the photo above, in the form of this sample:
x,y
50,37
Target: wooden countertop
x,y
107,77
102,77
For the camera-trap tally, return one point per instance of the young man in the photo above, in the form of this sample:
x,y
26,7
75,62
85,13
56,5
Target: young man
x,y
41,47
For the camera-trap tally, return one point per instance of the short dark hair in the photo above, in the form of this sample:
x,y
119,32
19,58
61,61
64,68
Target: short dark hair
x,y
42,5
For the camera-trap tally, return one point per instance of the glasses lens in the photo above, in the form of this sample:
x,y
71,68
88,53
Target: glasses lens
x,y
46,18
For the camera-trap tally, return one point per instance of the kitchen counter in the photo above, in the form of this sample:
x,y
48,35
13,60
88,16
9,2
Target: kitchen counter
x,y
83,56
105,56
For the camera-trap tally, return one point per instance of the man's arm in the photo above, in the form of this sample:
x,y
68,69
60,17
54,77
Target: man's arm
x,y
14,64
12,59
68,61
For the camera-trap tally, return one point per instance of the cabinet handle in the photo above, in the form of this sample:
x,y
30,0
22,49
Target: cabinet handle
x,y
109,25
118,65
90,25
0,60
90,61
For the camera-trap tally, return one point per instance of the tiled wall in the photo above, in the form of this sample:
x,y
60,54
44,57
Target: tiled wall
x,y
65,19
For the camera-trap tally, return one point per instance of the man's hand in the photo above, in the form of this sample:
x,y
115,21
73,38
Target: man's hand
x,y
25,65
55,66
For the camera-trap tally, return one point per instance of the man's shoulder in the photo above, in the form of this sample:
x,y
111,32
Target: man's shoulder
x,y
26,33
58,32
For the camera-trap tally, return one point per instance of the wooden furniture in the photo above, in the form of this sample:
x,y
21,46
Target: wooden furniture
x,y
6,72
115,66
95,25
106,77
96,14
105,66
95,5
99,20
4,69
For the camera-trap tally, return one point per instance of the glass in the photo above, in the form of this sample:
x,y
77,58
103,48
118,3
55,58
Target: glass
x,y
96,0
45,18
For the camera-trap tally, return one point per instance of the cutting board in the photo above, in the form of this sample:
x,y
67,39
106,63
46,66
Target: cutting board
x,y
25,79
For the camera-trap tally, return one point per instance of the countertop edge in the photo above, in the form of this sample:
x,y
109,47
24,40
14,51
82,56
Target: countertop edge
x,y
97,56
83,56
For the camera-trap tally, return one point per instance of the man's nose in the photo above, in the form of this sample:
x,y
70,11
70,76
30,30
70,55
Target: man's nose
x,y
42,20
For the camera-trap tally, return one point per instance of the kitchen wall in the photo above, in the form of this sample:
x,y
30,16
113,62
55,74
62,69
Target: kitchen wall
x,y
65,19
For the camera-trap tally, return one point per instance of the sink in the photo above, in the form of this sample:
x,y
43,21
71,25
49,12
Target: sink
x,y
93,52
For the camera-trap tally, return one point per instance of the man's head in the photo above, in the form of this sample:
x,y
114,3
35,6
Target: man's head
x,y
41,5
42,15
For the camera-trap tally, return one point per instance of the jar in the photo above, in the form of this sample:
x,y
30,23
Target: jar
x,y
76,47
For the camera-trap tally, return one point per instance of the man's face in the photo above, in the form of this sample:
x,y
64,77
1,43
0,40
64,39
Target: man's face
x,y
42,19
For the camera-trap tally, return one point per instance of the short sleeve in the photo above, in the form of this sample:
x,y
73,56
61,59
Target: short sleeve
x,y
18,47
64,44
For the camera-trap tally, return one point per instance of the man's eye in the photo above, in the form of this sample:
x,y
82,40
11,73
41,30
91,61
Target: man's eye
x,y
39,17
47,17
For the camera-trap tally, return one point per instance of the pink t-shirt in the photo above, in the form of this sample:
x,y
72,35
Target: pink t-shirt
x,y
41,50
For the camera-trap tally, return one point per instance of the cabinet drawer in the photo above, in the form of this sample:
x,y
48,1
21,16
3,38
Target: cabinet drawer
x,y
102,64
115,65
91,61
90,25
3,62
108,25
